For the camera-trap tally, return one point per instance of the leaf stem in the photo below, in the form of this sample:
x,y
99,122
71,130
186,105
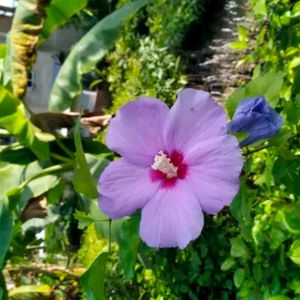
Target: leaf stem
x,y
257,149
64,148
47,171
109,235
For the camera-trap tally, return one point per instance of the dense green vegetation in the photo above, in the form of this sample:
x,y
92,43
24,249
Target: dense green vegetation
x,y
56,244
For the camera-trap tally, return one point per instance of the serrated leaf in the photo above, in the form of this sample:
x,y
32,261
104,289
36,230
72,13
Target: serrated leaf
x,y
84,219
260,7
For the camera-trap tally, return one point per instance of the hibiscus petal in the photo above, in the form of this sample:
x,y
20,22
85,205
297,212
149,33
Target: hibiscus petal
x,y
124,188
213,173
172,218
136,132
193,118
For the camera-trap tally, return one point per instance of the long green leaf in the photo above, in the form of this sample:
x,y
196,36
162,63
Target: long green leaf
x,y
59,13
13,119
26,28
92,280
3,290
6,228
129,242
82,179
87,53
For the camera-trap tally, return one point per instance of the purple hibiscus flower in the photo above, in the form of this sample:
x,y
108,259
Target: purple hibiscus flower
x,y
176,164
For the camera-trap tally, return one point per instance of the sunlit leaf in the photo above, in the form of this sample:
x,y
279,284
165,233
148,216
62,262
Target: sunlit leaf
x,y
294,252
30,292
59,13
13,118
26,28
291,217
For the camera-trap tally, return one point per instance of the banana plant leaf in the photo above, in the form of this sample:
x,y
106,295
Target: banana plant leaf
x,y
87,53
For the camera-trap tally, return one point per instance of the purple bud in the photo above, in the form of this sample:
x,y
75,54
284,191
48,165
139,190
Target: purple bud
x,y
255,117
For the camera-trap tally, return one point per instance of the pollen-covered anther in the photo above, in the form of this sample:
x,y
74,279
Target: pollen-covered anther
x,y
163,164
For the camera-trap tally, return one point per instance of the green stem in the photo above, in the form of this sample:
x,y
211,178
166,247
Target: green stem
x,y
28,108
64,148
53,169
257,149
60,157
109,235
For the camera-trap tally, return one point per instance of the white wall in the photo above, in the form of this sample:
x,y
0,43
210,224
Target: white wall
x,y
37,95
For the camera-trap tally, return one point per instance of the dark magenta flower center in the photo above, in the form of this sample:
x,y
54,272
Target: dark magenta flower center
x,y
168,168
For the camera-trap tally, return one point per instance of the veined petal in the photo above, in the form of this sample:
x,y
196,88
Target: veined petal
x,y
194,118
124,188
214,170
136,133
172,218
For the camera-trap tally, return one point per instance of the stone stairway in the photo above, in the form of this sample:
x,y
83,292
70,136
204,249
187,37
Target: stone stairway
x,y
213,67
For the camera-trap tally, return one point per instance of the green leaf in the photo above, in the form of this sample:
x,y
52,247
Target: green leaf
x,y
228,264
87,53
240,209
82,179
295,62
129,242
234,99
238,248
291,217
6,228
279,297
36,188
30,292
294,252
268,85
84,219
16,155
59,13
286,172
260,7
26,27
3,290
239,277
92,280
292,109
13,119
